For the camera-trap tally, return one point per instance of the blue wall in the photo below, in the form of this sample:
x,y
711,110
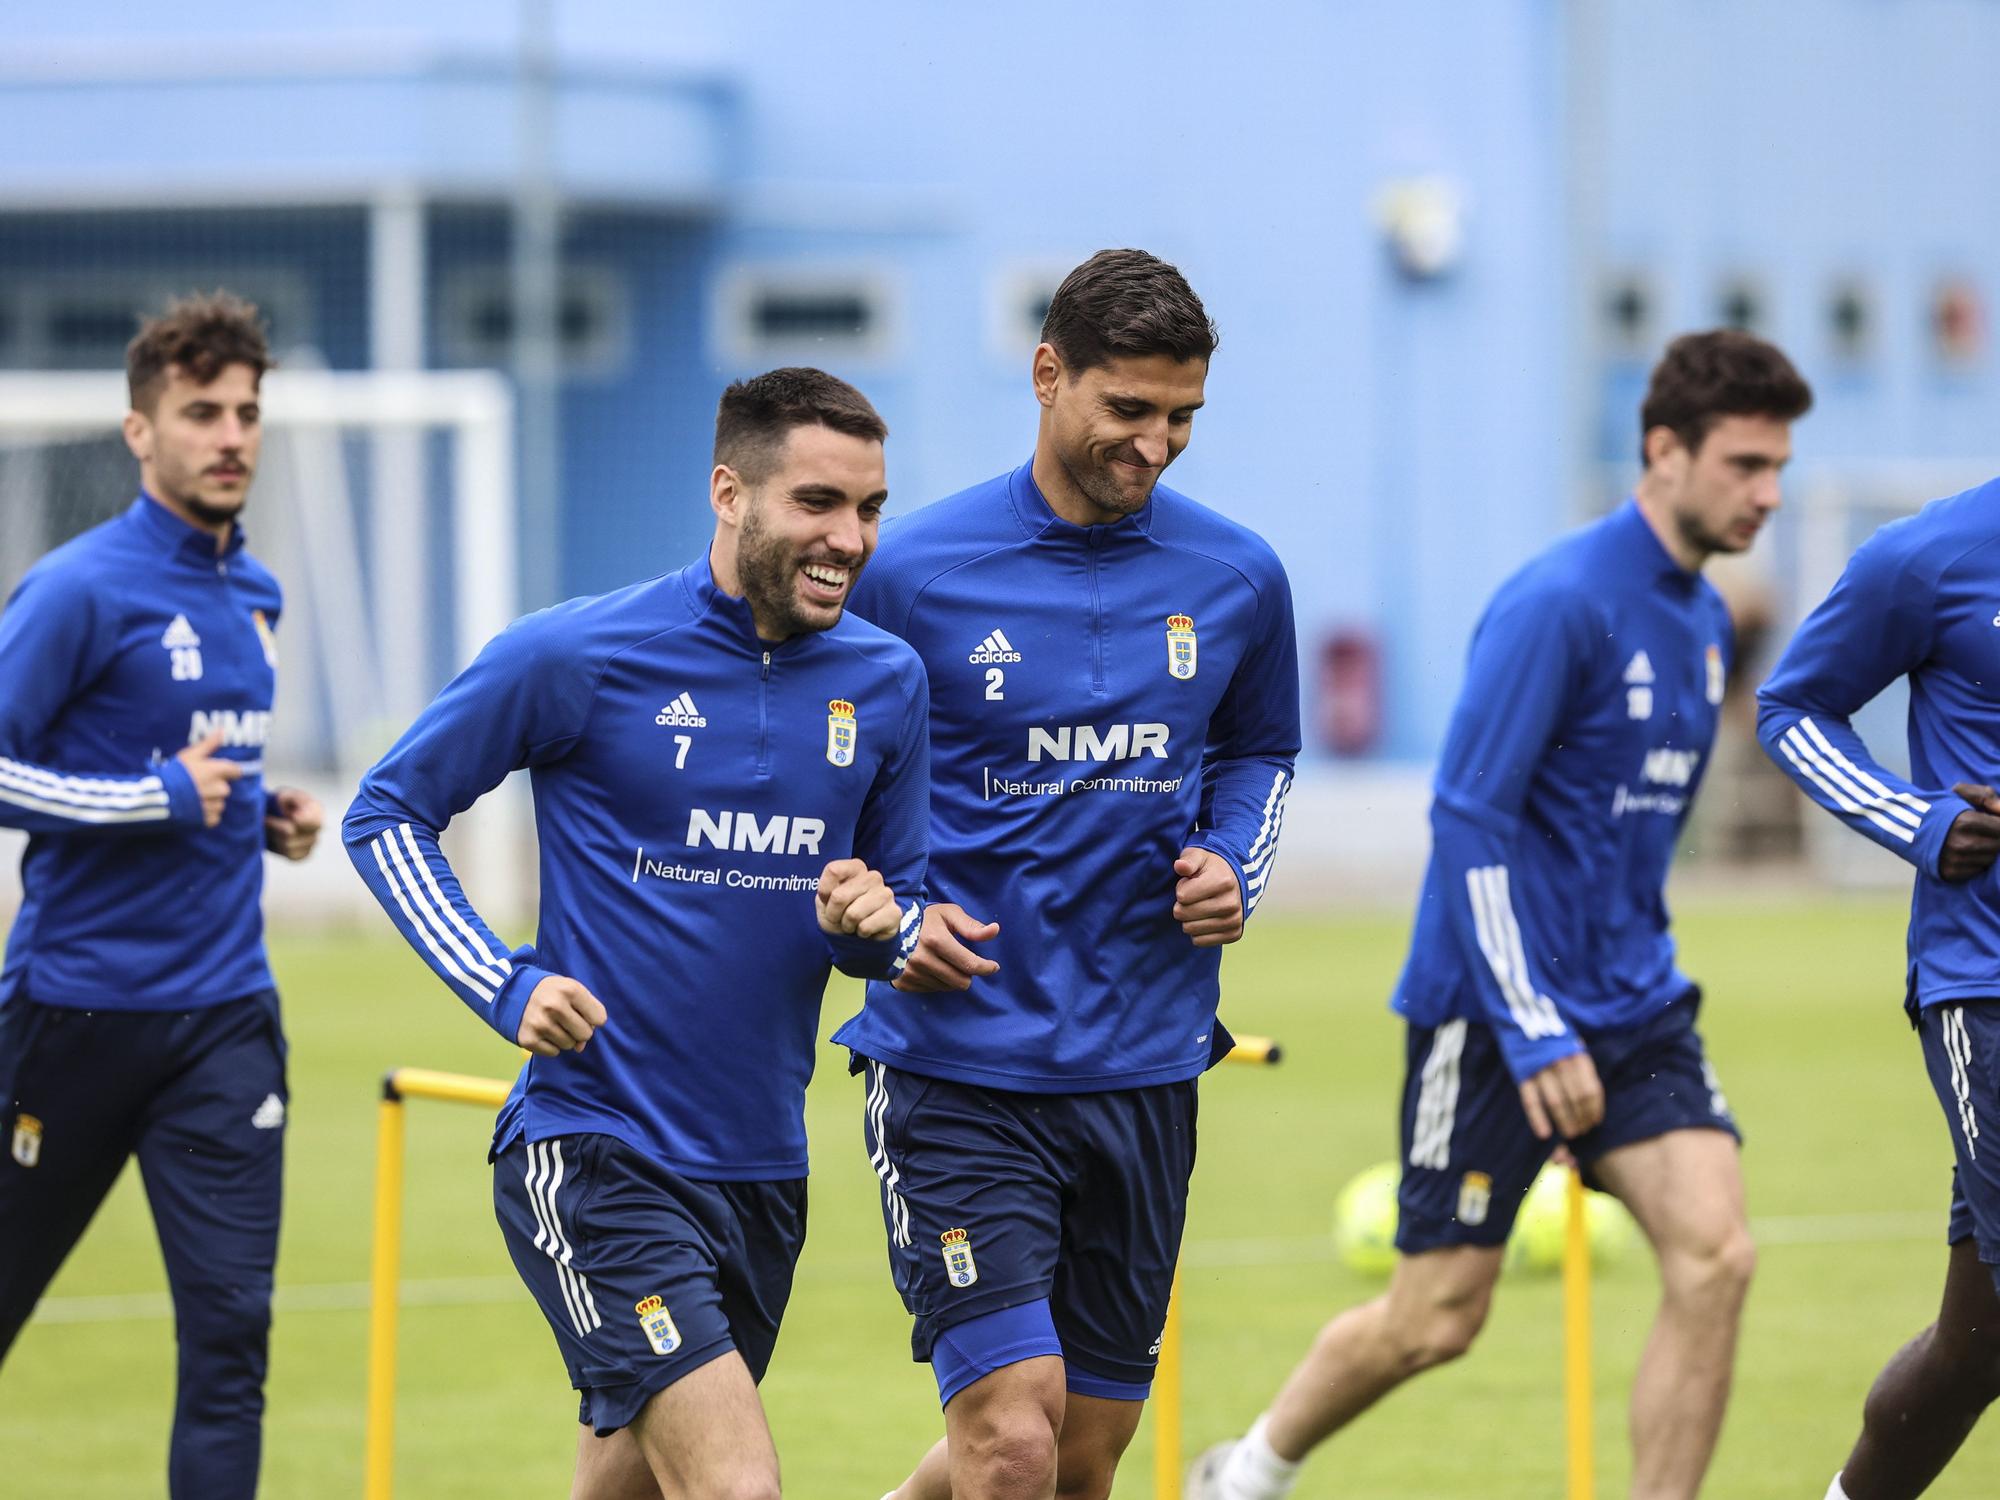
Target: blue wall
x,y
1404,444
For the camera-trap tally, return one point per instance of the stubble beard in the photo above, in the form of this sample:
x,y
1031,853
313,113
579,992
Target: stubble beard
x,y
205,512
765,567
1100,489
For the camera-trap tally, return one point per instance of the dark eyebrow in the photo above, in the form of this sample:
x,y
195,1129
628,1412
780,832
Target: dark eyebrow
x,y
1126,398
833,493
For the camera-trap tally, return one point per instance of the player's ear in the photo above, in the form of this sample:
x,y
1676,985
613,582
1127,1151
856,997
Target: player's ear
x,y
1663,447
726,494
138,430
1047,373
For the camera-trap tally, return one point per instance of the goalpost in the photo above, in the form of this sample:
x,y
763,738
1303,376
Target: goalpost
x,y
385,504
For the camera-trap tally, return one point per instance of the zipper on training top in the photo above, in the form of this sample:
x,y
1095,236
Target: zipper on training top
x,y
764,719
1096,622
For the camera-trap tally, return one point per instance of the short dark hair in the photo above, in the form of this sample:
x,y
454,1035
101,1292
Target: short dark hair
x,y
754,416
1126,302
1725,372
202,333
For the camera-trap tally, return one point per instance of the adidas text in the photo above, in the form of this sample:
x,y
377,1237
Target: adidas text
x,y
681,714
995,648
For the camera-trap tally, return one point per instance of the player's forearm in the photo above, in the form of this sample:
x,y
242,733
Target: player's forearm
x,y
406,870
1832,766
1245,816
39,799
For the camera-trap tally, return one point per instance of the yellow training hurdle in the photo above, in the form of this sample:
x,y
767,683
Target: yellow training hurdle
x,y
379,1453
379,1449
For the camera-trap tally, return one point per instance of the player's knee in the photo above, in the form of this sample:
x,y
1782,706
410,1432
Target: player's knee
x,y
1013,1453
1715,1268
1436,1330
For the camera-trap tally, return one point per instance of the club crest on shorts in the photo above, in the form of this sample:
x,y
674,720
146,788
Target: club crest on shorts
x,y
27,1140
1180,647
1475,1197
1714,674
958,1257
840,732
659,1325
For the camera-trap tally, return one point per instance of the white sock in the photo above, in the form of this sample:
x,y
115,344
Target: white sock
x,y
1834,1491
1254,1470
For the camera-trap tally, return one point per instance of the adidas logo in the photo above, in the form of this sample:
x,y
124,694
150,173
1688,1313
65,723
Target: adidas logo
x,y
180,635
270,1114
1639,668
681,714
996,647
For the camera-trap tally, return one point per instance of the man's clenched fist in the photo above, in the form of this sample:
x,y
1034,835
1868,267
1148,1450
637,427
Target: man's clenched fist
x,y
853,899
561,1016
1208,901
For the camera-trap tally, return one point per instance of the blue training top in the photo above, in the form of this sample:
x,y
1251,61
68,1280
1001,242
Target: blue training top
x,y
1576,747
1101,698
690,781
120,648
1921,599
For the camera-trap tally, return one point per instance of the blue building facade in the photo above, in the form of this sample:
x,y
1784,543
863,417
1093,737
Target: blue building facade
x,y
1443,241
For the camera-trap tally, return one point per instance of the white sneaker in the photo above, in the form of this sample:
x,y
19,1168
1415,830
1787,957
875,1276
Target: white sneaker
x,y
1204,1475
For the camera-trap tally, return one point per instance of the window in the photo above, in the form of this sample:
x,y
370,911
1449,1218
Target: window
x,y
1018,306
1740,303
1850,320
768,315
476,314
1628,310
83,321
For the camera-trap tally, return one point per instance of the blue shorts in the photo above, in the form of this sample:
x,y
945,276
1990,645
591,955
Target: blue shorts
x,y
1961,1042
995,1200
645,1275
1468,1154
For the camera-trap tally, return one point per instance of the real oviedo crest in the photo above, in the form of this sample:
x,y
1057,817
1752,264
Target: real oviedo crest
x,y
1180,647
659,1325
958,1257
840,732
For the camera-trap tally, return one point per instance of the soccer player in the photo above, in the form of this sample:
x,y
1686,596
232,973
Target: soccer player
x,y
1541,993
1918,600
1114,718
731,779
137,1010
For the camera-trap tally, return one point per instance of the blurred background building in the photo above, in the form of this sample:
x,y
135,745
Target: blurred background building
x,y
1444,241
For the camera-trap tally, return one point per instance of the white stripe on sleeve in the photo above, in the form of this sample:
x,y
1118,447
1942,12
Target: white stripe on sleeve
x,y
484,952
380,847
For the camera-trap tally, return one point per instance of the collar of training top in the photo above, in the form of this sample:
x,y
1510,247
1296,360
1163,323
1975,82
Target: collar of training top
x,y
1039,520
1635,534
733,612
177,536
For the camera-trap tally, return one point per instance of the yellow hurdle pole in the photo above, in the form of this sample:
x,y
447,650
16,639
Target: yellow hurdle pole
x,y
379,1461
454,1088
1255,1049
1167,1402
379,1450
1576,1343
1260,1051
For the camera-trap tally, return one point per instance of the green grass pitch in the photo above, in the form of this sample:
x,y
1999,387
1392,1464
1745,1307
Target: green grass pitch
x,y
1848,1164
